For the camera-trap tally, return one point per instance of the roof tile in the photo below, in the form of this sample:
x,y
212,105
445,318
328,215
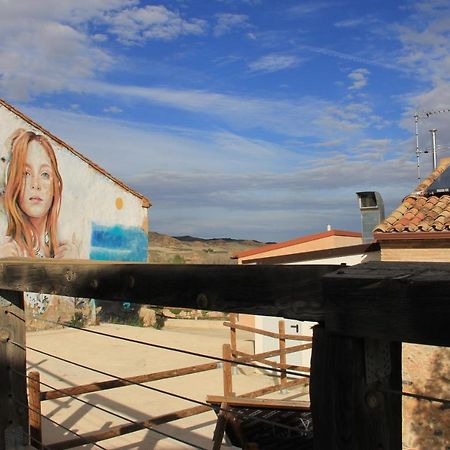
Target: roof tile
x,y
420,211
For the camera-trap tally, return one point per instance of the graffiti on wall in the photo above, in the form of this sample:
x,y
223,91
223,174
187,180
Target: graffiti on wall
x,y
46,212
118,243
32,195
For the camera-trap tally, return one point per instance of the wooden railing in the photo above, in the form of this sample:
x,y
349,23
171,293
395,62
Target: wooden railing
x,y
364,313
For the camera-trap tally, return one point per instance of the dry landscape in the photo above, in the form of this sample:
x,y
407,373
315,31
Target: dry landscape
x,y
165,249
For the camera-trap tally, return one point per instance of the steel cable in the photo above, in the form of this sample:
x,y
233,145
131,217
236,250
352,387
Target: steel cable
x,y
59,425
161,391
417,396
143,427
173,349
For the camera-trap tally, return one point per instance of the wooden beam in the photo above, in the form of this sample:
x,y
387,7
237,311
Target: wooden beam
x,y
111,384
349,409
284,291
119,430
395,301
271,353
294,337
273,363
34,389
274,388
13,380
219,430
258,402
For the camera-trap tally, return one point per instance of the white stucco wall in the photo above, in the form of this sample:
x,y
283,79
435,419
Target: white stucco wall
x,y
100,217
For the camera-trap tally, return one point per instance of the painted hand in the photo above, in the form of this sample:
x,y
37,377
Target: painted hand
x,y
68,249
9,249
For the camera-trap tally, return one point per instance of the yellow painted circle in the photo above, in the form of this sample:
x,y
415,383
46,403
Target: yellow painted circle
x,y
119,203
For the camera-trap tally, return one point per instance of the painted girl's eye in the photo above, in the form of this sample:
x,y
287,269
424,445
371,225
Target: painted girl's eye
x,y
27,173
45,175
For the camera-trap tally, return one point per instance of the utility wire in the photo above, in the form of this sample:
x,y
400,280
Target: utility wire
x,y
161,391
113,413
88,441
173,349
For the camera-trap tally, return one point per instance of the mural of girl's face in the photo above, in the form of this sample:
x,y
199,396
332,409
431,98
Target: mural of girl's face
x,y
36,195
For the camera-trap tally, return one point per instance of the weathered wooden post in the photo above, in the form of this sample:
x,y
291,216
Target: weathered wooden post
x,y
13,385
233,341
282,346
350,410
227,378
34,391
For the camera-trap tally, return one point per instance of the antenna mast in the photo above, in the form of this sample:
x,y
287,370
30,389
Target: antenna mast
x,y
416,123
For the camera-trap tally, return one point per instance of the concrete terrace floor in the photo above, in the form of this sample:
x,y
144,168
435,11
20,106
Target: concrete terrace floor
x,y
124,359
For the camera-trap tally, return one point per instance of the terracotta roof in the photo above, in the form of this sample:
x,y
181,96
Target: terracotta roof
x,y
317,254
420,212
145,201
300,240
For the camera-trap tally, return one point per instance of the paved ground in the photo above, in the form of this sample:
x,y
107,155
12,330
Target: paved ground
x,y
124,359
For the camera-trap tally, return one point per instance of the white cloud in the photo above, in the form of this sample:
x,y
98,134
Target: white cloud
x,y
45,48
350,57
307,8
46,57
227,22
274,62
250,188
359,78
424,55
112,109
306,116
133,25
51,46
366,21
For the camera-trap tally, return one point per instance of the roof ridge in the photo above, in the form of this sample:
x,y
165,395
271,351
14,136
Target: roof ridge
x,y
145,201
444,163
299,240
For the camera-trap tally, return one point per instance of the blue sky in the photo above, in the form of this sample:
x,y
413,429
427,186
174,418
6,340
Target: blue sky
x,y
255,119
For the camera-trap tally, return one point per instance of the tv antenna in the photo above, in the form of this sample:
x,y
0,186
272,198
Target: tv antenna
x,y
418,116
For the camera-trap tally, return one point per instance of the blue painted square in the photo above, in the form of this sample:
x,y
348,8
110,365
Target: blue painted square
x,y
118,243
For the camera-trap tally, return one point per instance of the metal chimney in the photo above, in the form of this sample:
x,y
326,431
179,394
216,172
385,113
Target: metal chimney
x,y
372,212
433,147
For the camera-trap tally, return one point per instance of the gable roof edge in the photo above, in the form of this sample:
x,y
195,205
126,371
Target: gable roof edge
x,y
300,240
145,201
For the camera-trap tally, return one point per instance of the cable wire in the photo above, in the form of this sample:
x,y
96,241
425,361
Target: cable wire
x,y
173,349
88,441
417,396
161,391
113,413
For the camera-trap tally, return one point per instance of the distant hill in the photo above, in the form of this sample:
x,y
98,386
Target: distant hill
x,y
165,249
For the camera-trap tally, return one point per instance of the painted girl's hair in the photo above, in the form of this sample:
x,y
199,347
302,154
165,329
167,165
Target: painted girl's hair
x,y
19,225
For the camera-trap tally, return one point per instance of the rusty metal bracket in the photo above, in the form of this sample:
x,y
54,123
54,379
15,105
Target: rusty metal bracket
x,y
378,360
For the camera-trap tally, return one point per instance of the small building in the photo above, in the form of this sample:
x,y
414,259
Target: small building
x,y
56,203
328,247
419,230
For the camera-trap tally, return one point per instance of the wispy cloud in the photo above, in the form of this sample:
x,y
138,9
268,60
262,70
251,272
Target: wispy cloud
x,y
274,62
247,181
306,116
355,22
136,24
112,109
307,8
359,78
227,22
349,57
